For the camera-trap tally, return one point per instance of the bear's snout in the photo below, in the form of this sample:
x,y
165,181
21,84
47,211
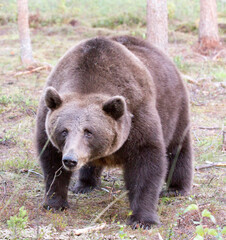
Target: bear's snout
x,y
69,161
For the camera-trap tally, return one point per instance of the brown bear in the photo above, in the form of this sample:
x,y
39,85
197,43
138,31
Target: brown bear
x,y
115,102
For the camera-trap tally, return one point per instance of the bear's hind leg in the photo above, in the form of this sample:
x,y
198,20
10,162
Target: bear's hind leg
x,y
89,178
180,171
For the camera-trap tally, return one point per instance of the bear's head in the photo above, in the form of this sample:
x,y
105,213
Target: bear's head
x,y
86,128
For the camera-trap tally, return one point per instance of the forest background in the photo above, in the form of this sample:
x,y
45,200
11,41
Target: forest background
x,y
55,27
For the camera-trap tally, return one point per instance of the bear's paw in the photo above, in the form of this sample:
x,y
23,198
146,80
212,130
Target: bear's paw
x,y
56,203
145,223
82,188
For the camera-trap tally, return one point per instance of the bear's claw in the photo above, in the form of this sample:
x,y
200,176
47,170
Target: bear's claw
x,y
147,224
60,208
172,193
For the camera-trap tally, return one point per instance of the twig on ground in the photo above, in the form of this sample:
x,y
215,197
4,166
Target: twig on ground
x,y
104,189
217,55
32,171
205,58
212,142
111,204
197,103
210,128
37,221
30,71
160,237
4,188
78,232
57,174
196,136
224,142
112,189
210,180
190,79
210,165
18,188
205,78
35,68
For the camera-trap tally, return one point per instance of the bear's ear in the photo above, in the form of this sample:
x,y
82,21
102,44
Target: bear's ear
x,y
115,107
52,98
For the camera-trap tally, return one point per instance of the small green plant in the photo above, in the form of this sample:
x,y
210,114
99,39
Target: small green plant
x,y
171,10
59,221
178,60
220,75
203,231
5,100
17,223
181,63
122,234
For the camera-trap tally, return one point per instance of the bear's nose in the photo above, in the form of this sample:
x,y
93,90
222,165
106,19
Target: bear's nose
x,y
69,161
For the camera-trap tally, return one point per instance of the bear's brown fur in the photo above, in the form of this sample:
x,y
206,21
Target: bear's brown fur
x,y
115,101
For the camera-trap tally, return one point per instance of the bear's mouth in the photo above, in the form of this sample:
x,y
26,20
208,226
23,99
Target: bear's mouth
x,y
70,169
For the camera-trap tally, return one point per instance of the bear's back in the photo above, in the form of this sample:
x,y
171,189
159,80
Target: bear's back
x,y
103,66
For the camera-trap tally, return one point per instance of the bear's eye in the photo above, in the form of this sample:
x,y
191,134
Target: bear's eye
x,y
88,134
64,133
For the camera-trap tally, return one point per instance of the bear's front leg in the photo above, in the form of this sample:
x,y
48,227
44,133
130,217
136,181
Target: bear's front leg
x,y
89,178
57,179
144,173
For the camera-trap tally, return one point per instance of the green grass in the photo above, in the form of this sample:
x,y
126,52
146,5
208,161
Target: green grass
x,y
19,99
210,148
219,74
181,64
100,13
125,19
19,163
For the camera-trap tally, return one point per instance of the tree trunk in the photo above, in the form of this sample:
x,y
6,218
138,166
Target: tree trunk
x,y
208,28
23,26
157,23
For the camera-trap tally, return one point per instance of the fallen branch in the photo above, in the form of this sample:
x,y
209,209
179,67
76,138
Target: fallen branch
x,y
4,183
217,55
205,58
210,128
205,78
28,72
160,237
224,142
220,84
210,165
190,79
46,67
78,232
112,203
32,171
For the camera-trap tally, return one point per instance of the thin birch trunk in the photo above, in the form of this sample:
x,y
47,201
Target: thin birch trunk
x,y
157,23
24,34
208,28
